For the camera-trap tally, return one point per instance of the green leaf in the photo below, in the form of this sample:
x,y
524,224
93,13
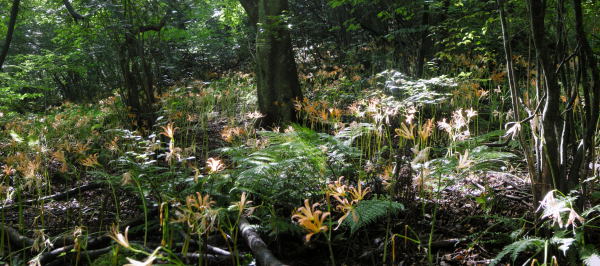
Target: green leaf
x,y
518,247
369,211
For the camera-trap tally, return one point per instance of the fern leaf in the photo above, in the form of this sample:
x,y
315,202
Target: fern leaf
x,y
517,247
369,211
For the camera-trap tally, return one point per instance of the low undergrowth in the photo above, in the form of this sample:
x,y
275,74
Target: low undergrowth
x,y
394,170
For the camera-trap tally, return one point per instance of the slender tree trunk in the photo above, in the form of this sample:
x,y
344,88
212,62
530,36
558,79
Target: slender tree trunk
x,y
561,50
550,176
425,41
14,12
514,93
585,151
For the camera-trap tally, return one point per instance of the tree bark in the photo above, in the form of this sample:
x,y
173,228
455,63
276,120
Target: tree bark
x,y
261,252
592,99
514,93
425,41
276,72
14,12
550,175
251,8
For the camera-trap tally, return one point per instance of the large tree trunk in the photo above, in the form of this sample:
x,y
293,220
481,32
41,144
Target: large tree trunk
x,y
14,12
276,73
550,176
251,8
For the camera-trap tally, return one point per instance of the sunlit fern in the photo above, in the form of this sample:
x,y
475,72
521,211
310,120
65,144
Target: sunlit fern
x,y
518,247
370,211
293,166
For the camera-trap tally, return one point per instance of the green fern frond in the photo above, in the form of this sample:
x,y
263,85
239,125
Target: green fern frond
x,y
516,248
294,165
369,211
349,134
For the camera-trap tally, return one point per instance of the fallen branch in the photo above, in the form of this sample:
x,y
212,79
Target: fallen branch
x,y
210,248
442,244
100,242
210,257
261,251
97,244
216,258
53,255
90,254
57,196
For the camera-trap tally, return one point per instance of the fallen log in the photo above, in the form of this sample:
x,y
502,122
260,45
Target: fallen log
x,y
261,251
16,238
210,248
57,253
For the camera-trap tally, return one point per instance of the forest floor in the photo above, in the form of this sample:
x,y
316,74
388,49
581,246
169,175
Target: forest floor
x,y
468,215
76,171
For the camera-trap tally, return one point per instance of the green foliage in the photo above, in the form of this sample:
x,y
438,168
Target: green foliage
x,y
343,48
349,134
486,158
481,158
277,225
416,92
518,247
293,166
569,242
370,211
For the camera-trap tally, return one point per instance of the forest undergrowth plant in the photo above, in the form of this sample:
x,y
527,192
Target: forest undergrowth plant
x,y
457,127
44,151
313,221
122,240
415,239
567,240
240,209
200,219
195,106
291,166
350,205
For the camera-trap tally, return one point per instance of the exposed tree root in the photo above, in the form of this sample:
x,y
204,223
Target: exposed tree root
x,y
261,251
209,248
